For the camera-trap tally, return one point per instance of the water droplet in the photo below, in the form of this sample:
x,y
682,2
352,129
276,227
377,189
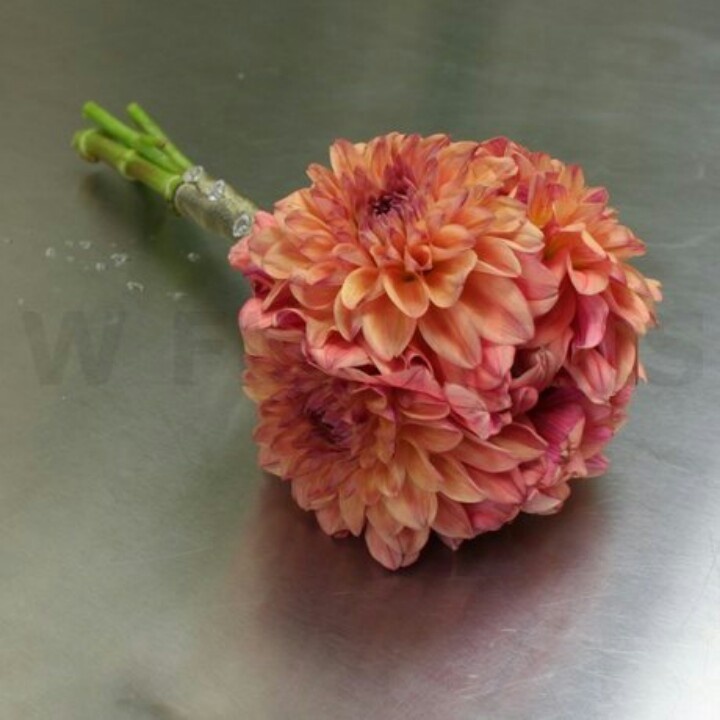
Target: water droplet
x,y
241,76
50,253
119,259
217,190
242,225
193,174
7,240
20,302
69,243
176,296
85,244
100,266
134,287
193,257
70,259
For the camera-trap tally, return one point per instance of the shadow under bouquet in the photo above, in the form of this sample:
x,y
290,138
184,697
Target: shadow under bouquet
x,y
441,334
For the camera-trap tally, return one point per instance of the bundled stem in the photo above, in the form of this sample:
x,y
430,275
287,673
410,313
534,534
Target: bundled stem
x,y
145,154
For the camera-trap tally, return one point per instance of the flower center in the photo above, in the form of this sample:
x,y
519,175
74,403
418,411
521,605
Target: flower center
x,y
327,422
388,201
322,428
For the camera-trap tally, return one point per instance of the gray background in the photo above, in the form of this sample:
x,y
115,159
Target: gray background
x,y
147,567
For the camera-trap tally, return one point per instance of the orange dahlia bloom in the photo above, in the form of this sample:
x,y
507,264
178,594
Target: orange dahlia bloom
x,y
442,335
407,235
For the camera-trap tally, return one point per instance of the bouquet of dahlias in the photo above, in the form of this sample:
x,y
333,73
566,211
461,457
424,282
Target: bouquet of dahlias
x,y
441,334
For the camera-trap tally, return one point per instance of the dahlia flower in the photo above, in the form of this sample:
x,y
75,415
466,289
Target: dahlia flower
x,y
441,335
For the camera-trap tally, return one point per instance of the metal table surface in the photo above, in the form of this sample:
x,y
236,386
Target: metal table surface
x,y
148,568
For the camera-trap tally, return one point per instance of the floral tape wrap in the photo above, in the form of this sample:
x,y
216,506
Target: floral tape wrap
x,y
214,205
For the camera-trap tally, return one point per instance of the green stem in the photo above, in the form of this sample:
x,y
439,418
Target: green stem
x,y
148,156
93,145
151,128
127,136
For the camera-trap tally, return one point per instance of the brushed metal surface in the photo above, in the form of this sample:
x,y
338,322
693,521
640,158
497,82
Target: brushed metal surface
x,y
147,568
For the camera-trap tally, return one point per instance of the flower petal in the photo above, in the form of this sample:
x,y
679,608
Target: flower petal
x,y
500,311
334,354
407,290
389,477
346,322
436,438
521,441
352,509
271,250
625,353
552,325
469,406
496,258
450,240
499,487
451,333
484,456
629,306
388,554
488,515
594,375
331,521
538,284
418,468
589,280
386,328
541,504
358,286
452,520
382,521
411,542
412,507
447,278
456,482
590,320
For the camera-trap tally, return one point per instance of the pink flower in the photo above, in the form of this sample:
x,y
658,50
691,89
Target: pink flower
x,y
442,335
382,455
604,303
